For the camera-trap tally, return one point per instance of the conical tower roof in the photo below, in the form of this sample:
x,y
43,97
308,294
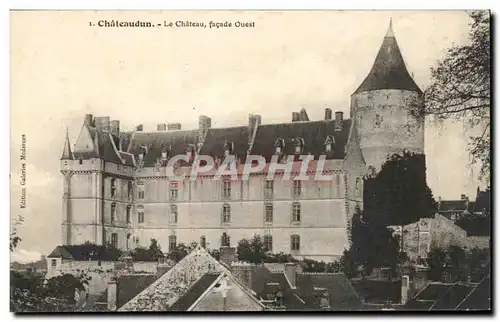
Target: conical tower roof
x,y
67,155
389,69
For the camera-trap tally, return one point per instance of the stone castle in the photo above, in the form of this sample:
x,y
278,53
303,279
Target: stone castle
x,y
116,189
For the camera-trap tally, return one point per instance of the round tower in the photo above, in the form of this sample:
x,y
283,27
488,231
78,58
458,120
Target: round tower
x,y
384,106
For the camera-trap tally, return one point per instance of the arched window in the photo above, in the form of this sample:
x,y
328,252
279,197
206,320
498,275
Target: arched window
x,y
279,145
113,212
299,145
113,187
129,207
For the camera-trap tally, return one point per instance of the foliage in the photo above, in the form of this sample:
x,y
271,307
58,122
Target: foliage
x,y
372,246
398,194
436,260
251,251
279,258
182,250
91,251
460,88
475,224
150,254
29,293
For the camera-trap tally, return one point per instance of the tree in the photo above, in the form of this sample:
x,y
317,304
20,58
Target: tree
x,y
152,253
460,88
398,194
436,260
475,224
251,251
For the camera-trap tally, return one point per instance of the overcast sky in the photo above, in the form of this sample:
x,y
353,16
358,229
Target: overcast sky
x,y
61,69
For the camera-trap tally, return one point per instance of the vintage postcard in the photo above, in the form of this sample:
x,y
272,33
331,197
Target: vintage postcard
x,y
250,161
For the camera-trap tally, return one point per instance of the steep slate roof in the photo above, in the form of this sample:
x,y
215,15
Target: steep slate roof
x,y
452,205
60,252
216,138
389,69
451,298
377,292
479,298
188,299
128,286
176,282
342,294
82,253
177,141
314,134
67,155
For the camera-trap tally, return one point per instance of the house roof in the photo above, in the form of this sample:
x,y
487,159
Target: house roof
x,y
479,298
217,137
84,252
452,205
389,69
194,293
378,291
314,134
172,285
60,252
342,295
128,286
451,298
483,201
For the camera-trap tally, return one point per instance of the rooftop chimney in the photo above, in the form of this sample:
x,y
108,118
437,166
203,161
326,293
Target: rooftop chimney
x,y
295,117
88,120
161,127
102,123
203,242
303,115
339,118
115,127
139,128
204,123
174,126
328,114
227,255
253,121
291,274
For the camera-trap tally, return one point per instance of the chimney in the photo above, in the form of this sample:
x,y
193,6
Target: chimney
x,y
405,288
203,242
112,290
339,118
115,127
291,273
227,255
161,127
88,120
295,117
253,121
174,126
328,114
204,123
303,115
139,128
243,272
102,123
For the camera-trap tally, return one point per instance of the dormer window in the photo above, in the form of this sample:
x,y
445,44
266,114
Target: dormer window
x,y
299,145
279,145
164,153
143,152
228,148
378,120
329,142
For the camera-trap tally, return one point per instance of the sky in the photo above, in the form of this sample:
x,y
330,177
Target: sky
x,y
289,60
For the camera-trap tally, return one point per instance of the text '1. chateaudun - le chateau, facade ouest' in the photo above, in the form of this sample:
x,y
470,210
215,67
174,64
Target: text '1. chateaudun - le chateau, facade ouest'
x,y
117,191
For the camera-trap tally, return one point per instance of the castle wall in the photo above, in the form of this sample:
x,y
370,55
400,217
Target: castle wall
x,y
385,124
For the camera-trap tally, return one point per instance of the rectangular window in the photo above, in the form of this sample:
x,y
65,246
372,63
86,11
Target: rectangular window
x,y
297,188
113,212
128,213
226,213
296,212
295,243
226,189
140,190
225,240
130,189
113,187
53,262
268,243
173,214
140,217
174,191
269,212
172,242
114,240
269,189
